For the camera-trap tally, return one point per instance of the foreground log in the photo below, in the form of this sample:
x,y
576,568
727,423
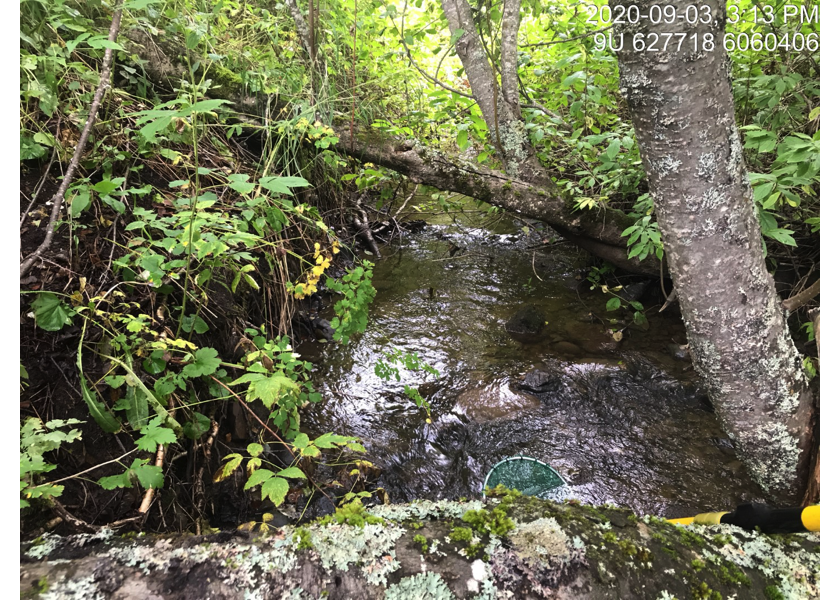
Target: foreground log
x,y
511,547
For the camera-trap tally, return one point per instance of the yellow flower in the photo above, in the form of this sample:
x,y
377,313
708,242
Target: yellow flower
x,y
317,249
319,259
336,247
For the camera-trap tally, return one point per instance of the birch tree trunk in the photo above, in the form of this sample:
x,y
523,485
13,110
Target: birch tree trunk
x,y
683,112
500,109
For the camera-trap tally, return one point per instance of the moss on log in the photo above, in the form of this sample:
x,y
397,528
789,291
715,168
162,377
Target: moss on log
x,y
510,547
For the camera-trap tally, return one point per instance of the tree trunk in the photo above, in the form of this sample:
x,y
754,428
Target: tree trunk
x,y
500,111
683,112
407,552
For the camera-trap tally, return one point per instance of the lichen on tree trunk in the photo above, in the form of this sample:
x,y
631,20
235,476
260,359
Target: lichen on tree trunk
x,y
512,547
683,112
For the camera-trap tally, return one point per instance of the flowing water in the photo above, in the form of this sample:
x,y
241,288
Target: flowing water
x,y
622,422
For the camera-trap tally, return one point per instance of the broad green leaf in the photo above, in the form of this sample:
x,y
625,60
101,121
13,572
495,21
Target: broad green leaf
x,y
301,441
329,440
137,411
275,489
100,413
195,323
271,388
198,426
258,477
613,303
205,362
51,314
80,203
153,435
149,476
232,463
292,472
123,480
463,140
613,149
255,449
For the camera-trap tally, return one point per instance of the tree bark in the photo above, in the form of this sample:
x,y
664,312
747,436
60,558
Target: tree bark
x,y
548,551
683,112
504,122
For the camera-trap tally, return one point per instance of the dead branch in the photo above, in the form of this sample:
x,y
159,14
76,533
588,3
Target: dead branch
x,y
58,198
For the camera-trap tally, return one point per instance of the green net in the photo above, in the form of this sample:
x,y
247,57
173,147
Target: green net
x,y
528,475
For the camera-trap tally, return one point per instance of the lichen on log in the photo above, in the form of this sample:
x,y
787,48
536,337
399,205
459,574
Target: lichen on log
x,y
509,547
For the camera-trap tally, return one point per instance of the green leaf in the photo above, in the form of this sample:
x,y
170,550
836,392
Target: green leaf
x,y
463,140
149,476
239,183
329,440
195,323
301,441
572,79
613,149
137,411
270,389
197,427
255,449
205,362
613,303
106,186
281,185
258,477
275,489
115,481
51,314
292,472
98,44
80,203
153,435
783,236
233,462
100,413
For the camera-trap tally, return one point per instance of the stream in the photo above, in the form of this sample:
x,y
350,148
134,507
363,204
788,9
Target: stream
x,y
622,422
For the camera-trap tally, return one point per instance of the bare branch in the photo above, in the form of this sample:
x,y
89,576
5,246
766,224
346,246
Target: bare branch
x,y
58,198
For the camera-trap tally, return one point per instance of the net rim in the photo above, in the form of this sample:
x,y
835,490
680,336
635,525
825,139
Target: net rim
x,y
513,458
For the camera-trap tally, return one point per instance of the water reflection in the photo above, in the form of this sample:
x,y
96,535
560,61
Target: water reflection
x,y
622,423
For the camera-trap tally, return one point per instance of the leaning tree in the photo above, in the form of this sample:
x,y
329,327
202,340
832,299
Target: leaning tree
x,y
680,99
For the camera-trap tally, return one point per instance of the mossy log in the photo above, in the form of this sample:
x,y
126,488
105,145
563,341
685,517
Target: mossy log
x,y
510,547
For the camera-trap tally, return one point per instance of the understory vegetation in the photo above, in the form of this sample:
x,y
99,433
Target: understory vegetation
x,y
198,245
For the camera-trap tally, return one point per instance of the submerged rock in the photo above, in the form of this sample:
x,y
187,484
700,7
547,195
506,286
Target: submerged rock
x,y
527,324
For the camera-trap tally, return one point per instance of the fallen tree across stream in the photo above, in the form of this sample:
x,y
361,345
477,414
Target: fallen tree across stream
x,y
596,231
511,547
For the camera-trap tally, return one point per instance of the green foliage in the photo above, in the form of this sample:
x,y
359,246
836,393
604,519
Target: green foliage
x,y
421,541
148,476
51,314
353,514
352,310
36,439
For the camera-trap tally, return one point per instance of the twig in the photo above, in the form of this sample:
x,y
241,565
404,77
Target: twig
x,y
93,468
563,41
802,298
420,69
533,266
62,512
58,198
